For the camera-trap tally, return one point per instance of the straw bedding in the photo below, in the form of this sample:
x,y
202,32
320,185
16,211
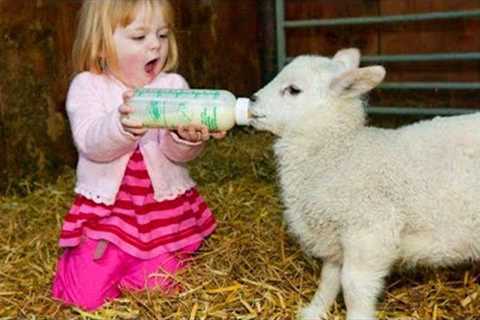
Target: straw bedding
x,y
249,269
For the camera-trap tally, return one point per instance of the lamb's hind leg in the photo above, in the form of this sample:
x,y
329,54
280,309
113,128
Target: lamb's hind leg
x,y
326,293
367,261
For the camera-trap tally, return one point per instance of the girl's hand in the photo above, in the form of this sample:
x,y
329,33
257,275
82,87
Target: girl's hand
x,y
196,133
218,134
134,127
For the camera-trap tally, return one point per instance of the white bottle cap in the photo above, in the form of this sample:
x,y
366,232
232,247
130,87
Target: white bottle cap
x,y
241,111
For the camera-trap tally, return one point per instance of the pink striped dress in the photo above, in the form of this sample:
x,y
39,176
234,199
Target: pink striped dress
x,y
136,222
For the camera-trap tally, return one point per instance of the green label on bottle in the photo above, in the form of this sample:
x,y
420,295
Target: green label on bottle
x,y
177,93
184,113
157,112
209,119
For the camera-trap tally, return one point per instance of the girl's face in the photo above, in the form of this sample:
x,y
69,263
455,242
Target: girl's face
x,y
142,48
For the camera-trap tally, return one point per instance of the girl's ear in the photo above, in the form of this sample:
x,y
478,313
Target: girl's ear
x,y
356,82
350,58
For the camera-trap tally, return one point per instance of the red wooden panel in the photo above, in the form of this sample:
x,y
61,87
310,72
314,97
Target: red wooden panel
x,y
327,40
315,9
219,44
394,7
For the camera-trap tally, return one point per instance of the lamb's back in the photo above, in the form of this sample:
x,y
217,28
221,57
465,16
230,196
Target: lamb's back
x,y
419,174
429,172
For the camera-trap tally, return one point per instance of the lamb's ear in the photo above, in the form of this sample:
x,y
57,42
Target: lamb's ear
x,y
350,58
356,82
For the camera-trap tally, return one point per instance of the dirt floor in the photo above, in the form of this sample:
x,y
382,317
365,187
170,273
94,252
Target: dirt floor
x,y
249,269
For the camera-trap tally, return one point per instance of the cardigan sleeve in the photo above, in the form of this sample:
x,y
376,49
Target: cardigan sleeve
x,y
97,131
179,150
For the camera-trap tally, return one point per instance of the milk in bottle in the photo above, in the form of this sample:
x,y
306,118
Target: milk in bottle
x,y
218,110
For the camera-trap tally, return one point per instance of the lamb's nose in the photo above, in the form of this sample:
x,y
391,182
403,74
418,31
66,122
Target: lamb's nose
x,y
253,98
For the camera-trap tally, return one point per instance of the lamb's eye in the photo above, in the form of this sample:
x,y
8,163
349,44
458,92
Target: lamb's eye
x,y
292,90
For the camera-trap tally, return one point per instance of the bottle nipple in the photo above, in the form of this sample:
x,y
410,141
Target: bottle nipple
x,y
241,111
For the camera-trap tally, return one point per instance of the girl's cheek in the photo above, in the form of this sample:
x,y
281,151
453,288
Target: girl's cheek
x,y
131,66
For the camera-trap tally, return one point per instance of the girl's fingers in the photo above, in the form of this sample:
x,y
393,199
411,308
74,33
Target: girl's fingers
x,y
137,131
181,131
125,109
198,133
128,123
193,133
134,127
218,134
205,133
127,95
202,133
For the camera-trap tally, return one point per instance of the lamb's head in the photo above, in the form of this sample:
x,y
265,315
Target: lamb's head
x,y
312,90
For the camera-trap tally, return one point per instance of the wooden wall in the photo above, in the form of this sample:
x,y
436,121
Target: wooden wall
x,y
36,38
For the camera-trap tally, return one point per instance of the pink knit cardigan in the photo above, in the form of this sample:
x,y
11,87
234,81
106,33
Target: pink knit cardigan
x,y
104,147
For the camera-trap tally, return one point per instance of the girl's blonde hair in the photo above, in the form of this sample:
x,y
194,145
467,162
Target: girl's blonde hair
x,y
94,49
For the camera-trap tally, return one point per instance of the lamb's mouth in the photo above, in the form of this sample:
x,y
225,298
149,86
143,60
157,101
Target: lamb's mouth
x,y
256,119
150,66
255,115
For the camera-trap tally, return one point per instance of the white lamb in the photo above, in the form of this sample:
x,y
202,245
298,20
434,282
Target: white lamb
x,y
362,198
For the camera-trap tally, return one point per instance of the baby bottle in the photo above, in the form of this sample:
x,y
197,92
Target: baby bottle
x,y
218,110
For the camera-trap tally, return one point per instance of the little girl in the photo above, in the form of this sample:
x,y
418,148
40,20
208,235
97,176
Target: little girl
x,y
137,215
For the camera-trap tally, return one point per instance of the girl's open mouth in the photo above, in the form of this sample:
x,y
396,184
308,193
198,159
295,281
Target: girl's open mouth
x,y
150,66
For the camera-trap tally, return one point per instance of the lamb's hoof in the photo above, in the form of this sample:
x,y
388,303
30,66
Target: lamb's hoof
x,y
311,313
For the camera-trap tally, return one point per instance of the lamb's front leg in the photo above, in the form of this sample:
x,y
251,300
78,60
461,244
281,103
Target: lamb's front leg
x,y
366,263
326,293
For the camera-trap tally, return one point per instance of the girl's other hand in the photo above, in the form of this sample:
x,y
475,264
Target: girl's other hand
x,y
134,127
193,133
196,133
218,134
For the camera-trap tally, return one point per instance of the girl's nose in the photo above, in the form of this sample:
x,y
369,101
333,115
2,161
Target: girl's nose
x,y
154,42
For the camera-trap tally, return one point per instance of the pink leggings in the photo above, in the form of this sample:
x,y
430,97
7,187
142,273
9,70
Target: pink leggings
x,y
87,283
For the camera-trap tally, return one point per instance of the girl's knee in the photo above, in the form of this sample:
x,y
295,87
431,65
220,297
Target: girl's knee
x,y
82,281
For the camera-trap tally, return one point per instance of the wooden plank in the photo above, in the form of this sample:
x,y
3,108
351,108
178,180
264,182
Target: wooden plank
x,y
328,40
219,44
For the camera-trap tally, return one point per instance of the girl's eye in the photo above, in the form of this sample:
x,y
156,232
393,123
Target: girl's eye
x,y
163,35
138,38
292,90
